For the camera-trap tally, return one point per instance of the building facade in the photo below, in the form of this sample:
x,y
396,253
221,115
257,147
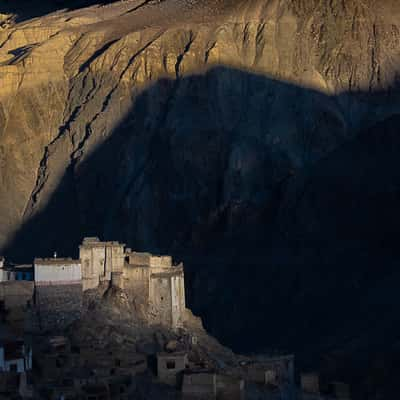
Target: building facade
x,y
15,356
101,261
3,275
156,285
15,272
58,291
155,282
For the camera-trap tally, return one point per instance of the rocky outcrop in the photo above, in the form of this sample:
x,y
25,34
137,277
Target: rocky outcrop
x,y
185,126
237,94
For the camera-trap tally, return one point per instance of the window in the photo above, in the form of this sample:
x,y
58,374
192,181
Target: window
x,y
170,364
13,368
87,266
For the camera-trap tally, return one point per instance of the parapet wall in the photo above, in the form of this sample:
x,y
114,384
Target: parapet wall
x,y
135,258
58,305
147,259
161,261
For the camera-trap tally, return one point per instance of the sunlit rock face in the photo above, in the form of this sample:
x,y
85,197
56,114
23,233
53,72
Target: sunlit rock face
x,y
247,137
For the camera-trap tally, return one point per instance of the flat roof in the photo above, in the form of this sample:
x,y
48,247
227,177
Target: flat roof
x,y
95,241
172,355
55,261
22,266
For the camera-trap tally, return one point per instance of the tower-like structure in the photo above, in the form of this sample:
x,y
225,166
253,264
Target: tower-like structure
x,y
157,284
101,261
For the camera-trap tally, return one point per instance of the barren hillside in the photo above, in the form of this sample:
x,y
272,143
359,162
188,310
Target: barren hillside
x,y
197,127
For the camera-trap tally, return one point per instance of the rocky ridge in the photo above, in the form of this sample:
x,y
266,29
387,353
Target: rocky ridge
x,y
186,126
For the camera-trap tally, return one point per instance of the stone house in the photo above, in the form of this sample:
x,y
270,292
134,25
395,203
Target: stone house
x,y
57,271
271,371
101,261
199,385
170,367
155,284
310,383
15,272
230,388
158,285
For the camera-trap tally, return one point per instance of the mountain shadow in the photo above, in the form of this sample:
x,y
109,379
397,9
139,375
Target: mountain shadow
x,y
286,219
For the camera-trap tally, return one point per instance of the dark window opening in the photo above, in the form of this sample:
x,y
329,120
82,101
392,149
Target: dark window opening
x,y
170,364
75,349
13,368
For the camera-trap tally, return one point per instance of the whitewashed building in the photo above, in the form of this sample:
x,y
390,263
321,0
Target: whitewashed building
x,y
3,273
57,271
58,291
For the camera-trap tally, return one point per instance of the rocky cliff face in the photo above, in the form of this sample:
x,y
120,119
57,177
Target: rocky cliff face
x,y
197,127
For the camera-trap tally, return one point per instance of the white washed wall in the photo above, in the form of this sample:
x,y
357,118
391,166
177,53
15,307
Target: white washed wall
x,y
58,272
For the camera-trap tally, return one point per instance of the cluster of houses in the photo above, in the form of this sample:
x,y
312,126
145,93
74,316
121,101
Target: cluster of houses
x,y
37,361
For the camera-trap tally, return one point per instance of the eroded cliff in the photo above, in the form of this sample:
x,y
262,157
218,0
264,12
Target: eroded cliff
x,y
189,126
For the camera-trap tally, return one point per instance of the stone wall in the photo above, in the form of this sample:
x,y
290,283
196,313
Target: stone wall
x,y
199,386
139,258
99,261
161,262
58,305
170,366
230,388
16,293
116,255
178,304
161,299
136,282
90,279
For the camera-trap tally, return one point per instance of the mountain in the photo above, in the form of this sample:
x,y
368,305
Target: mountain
x,y
257,140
